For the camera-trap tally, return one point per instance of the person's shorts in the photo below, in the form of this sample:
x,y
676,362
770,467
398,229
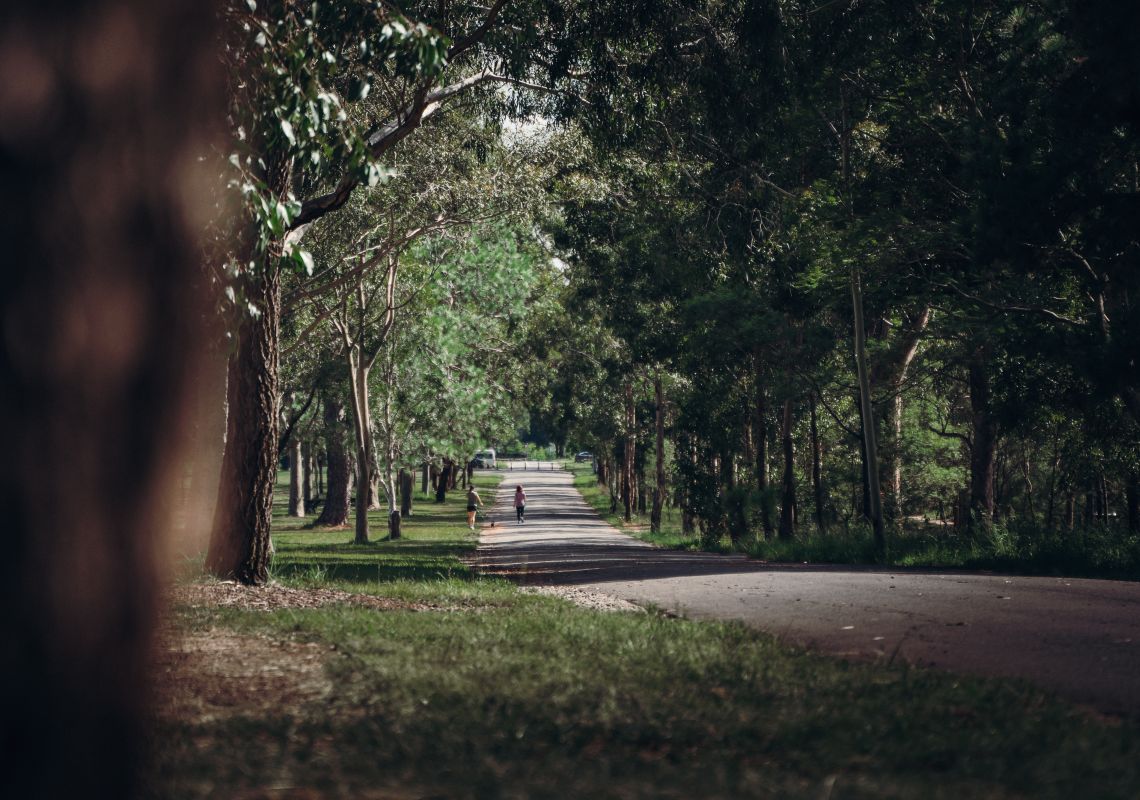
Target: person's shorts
x,y
470,508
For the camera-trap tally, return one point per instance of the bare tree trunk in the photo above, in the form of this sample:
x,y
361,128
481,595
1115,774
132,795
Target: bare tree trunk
x,y
659,454
902,357
788,503
309,459
334,513
407,487
630,452
817,469
760,436
870,448
425,478
103,314
296,480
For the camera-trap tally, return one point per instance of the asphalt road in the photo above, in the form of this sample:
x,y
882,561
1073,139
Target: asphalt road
x,y
1079,638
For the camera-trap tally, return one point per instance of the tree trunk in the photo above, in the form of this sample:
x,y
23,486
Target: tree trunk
x,y
407,486
788,503
103,333
362,427
425,479
442,481
817,469
334,513
983,449
630,452
760,437
902,356
659,454
296,480
239,544
310,461
867,419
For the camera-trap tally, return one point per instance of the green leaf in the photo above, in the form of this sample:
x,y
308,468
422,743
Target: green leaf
x,y
287,129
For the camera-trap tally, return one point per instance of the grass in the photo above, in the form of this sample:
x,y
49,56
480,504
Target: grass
x,y
1094,551
506,694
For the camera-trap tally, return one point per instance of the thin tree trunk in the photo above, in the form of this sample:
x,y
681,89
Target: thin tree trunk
x,y
296,480
817,469
407,487
630,452
362,428
425,478
334,513
870,448
760,436
659,454
788,503
309,459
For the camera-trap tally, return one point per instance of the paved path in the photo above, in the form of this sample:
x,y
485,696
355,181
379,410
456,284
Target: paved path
x,y
1080,638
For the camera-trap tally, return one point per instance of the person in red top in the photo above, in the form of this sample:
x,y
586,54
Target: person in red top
x,y
520,504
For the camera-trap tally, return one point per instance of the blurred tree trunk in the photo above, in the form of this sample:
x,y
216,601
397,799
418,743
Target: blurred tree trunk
x,y
104,114
407,487
629,452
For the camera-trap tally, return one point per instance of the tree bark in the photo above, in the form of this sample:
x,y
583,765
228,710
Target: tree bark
x,y
818,488
659,453
239,544
425,478
760,436
901,357
407,487
629,452
443,480
334,513
309,459
867,418
296,479
788,503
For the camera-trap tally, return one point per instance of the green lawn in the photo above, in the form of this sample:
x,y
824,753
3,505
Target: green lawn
x,y
504,694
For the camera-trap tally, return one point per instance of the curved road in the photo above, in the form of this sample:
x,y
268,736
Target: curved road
x,y
1080,638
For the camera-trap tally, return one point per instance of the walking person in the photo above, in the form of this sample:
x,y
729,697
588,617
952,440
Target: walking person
x,y
473,502
520,504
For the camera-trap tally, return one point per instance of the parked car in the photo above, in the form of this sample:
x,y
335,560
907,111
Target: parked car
x,y
484,459
583,456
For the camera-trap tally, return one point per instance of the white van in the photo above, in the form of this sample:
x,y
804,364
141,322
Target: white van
x,y
484,459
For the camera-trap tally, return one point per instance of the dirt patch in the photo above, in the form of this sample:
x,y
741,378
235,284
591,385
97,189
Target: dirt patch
x,y
214,674
209,675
